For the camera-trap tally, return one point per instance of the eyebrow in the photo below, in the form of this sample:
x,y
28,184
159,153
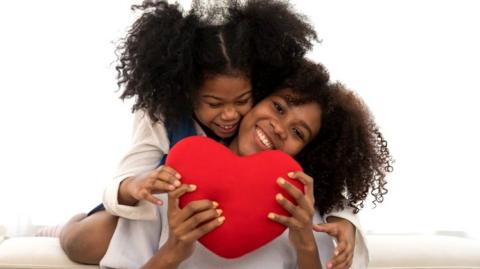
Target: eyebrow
x,y
290,100
220,99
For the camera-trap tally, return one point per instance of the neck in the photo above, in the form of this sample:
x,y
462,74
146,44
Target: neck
x,y
234,145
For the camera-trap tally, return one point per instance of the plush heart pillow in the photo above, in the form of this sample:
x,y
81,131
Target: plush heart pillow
x,y
245,188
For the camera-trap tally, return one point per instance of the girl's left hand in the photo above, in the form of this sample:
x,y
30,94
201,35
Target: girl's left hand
x,y
300,223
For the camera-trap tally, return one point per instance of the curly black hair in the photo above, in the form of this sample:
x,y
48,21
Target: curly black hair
x,y
349,158
167,53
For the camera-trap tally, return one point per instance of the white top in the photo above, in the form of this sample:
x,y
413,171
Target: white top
x,y
143,229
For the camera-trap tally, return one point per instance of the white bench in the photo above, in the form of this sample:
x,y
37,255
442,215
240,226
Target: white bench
x,y
387,251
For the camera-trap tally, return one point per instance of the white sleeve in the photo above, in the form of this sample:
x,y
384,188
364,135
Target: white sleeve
x,y
150,143
134,242
361,255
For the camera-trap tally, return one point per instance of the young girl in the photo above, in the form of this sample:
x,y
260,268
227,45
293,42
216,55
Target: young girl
x,y
331,134
210,65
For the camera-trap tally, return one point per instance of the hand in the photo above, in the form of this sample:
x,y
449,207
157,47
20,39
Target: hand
x,y
142,187
300,223
344,232
187,225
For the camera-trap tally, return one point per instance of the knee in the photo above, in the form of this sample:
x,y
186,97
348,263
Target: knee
x,y
86,241
74,242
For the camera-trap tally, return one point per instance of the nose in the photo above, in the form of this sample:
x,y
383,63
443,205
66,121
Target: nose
x,y
229,113
279,129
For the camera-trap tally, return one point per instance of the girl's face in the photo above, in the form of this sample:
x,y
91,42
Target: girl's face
x,y
222,102
276,123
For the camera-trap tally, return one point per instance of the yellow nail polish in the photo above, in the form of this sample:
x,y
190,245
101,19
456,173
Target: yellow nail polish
x,y
279,196
271,216
221,219
192,187
291,174
215,204
219,212
281,181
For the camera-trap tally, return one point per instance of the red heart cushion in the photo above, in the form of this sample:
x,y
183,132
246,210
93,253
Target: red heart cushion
x,y
245,188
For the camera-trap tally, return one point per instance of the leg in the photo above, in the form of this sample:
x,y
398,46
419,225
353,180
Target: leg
x,y
85,239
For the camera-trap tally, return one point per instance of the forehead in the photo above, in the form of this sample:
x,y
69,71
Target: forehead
x,y
225,86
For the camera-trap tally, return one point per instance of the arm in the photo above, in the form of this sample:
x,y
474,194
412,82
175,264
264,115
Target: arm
x,y
150,142
300,223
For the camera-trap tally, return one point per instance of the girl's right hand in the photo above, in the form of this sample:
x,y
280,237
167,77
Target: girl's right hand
x,y
143,187
187,225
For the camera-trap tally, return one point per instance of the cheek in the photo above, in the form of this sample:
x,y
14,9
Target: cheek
x,y
244,109
204,113
292,148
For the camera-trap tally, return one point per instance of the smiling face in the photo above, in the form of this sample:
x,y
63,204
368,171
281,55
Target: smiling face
x,y
222,102
278,123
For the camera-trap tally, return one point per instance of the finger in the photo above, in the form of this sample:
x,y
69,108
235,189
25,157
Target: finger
x,y
341,256
345,264
287,221
168,178
151,198
199,218
306,180
194,207
204,229
296,194
294,211
169,170
341,248
326,228
161,187
174,195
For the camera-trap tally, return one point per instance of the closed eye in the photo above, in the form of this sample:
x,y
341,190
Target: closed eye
x,y
243,102
214,105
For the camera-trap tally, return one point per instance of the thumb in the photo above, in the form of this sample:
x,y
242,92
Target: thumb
x,y
328,228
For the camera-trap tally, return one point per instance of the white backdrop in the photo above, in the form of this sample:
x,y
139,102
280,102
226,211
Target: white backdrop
x,y
416,63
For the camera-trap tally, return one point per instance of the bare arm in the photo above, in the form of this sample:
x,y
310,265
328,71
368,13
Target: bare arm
x,y
300,223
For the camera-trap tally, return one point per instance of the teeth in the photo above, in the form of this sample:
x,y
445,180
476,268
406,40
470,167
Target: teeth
x,y
227,127
264,139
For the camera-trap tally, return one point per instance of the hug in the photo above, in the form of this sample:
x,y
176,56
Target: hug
x,y
238,75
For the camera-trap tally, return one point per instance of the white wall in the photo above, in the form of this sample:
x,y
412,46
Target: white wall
x,y
415,63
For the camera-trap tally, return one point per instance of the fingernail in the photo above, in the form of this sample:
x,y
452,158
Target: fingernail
x,y
177,175
271,216
279,196
177,183
329,265
159,202
192,187
215,204
221,219
291,174
336,252
281,181
171,187
219,212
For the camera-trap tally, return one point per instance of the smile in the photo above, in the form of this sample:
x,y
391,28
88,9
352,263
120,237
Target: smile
x,y
263,138
227,128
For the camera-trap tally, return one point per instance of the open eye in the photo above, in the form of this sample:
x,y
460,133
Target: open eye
x,y
298,133
278,107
